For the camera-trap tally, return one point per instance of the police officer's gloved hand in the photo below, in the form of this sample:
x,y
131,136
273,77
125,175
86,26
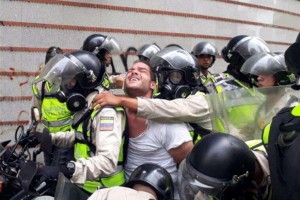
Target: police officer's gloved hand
x,y
47,173
44,139
25,140
30,140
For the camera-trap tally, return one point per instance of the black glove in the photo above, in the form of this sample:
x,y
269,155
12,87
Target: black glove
x,y
51,172
44,139
30,140
47,173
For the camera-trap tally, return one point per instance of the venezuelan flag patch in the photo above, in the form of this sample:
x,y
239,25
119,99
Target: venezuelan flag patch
x,y
106,123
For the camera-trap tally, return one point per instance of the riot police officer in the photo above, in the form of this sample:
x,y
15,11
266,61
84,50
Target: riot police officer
x,y
55,115
177,72
104,47
206,53
269,70
239,105
281,136
148,181
146,51
97,135
237,51
221,166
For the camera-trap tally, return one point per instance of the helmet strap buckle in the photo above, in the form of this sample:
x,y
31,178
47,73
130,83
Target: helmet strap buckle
x,y
96,51
237,179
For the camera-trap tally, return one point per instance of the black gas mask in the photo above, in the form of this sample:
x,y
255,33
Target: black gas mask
x,y
171,84
74,98
75,102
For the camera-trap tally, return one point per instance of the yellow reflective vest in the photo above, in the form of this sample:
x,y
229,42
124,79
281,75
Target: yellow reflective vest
x,y
55,115
84,148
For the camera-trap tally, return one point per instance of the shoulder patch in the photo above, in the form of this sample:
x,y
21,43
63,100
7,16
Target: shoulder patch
x,y
106,123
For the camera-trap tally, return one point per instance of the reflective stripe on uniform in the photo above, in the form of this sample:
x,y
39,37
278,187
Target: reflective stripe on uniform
x,y
265,134
105,82
114,180
296,111
34,88
196,138
256,145
58,123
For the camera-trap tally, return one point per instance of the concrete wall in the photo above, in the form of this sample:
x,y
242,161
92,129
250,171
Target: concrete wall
x,y
28,28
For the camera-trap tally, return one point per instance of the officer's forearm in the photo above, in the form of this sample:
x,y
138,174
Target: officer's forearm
x,y
63,139
130,103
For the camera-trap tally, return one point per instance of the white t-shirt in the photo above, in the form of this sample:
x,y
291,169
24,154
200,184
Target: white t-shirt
x,y
153,145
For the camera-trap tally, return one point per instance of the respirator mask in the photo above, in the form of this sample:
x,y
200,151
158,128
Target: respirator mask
x,y
171,85
73,98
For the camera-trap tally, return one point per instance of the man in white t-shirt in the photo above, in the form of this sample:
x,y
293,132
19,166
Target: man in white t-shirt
x,y
149,141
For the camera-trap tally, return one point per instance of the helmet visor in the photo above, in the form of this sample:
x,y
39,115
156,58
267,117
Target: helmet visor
x,y
148,51
111,45
192,182
60,72
249,46
172,58
205,49
262,64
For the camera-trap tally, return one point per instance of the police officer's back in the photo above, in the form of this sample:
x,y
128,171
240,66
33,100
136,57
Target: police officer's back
x,y
55,115
283,142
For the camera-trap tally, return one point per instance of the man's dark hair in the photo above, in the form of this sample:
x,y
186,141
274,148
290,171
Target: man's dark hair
x,y
152,71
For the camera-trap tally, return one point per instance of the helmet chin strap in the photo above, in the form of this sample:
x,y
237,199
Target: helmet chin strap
x,y
96,51
237,179
253,190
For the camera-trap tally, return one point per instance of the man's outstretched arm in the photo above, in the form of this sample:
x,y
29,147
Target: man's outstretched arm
x,y
194,109
109,99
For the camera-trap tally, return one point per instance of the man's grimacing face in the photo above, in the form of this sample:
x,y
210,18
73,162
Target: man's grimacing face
x,y
138,80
